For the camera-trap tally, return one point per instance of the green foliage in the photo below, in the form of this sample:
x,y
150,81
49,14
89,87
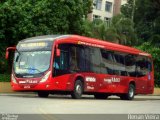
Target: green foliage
x,y
119,30
87,7
155,40
123,27
3,62
146,17
5,78
26,18
87,28
155,52
127,9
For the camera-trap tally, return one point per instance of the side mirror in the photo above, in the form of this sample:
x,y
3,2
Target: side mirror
x,y
7,51
58,52
7,54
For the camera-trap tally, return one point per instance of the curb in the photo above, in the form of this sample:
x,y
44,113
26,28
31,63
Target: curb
x,y
5,87
156,91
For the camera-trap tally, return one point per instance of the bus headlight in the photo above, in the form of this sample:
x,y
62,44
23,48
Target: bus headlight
x,y
13,79
45,77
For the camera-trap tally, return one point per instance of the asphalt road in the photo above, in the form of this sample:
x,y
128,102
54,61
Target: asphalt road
x,y
60,104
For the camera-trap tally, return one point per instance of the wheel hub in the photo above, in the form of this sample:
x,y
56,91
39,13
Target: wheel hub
x,y
78,89
131,92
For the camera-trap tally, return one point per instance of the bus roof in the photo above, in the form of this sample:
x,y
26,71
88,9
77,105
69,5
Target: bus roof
x,y
44,38
110,45
86,41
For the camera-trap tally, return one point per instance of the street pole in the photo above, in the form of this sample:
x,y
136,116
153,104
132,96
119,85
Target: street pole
x,y
132,17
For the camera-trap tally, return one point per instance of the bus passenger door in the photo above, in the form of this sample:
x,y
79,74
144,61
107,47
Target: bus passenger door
x,y
150,75
142,74
119,79
61,71
92,69
107,71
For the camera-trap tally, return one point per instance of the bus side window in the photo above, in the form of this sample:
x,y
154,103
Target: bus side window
x,y
63,60
149,64
56,63
61,63
73,59
87,59
95,59
81,58
130,65
141,66
119,64
107,62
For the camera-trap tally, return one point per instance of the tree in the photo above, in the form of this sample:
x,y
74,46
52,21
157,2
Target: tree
x,y
127,9
26,18
123,28
146,18
119,30
87,7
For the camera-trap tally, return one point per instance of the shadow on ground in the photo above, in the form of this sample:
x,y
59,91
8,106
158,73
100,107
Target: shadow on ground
x,y
85,97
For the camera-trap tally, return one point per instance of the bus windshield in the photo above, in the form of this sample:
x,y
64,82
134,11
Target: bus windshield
x,y
31,63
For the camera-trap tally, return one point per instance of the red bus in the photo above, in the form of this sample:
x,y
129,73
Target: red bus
x,y
76,65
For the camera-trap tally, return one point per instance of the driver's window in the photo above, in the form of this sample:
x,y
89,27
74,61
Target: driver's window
x,y
61,63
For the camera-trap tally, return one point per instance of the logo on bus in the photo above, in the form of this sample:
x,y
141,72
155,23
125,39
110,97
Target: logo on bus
x,y
90,79
112,80
28,82
90,44
90,87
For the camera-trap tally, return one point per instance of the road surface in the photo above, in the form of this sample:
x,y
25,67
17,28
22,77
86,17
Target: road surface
x,y
24,103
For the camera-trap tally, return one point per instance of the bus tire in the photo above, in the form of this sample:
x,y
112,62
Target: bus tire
x,y
78,90
101,96
130,94
43,94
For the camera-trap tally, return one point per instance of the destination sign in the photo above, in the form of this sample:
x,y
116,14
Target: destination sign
x,y
47,45
38,44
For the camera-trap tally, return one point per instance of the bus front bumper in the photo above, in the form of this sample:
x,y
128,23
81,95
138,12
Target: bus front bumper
x,y
38,87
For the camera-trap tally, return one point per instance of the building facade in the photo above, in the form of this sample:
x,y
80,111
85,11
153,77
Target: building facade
x,y
105,9
117,6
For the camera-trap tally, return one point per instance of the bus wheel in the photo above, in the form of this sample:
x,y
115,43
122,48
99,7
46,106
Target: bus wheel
x,y
130,94
101,96
43,94
78,90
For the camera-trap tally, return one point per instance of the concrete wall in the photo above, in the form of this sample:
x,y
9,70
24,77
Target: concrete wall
x,y
102,12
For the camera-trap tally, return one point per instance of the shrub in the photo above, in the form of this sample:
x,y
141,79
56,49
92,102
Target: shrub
x,y
5,77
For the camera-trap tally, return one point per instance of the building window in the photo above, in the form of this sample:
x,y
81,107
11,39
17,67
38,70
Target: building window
x,y
98,4
107,19
108,6
96,17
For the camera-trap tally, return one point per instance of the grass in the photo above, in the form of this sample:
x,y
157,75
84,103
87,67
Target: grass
x,y
5,77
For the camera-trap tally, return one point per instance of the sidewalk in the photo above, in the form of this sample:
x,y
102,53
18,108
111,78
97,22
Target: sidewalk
x,y
5,87
156,91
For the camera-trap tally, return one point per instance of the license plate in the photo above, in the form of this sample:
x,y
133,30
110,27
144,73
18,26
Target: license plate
x,y
27,86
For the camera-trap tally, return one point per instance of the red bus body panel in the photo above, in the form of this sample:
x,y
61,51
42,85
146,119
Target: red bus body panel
x,y
98,82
